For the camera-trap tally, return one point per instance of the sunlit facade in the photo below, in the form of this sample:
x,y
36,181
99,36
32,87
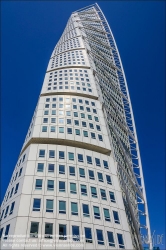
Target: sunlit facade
x,y
78,179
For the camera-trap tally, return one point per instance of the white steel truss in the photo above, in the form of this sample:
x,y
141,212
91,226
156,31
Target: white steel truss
x,y
110,76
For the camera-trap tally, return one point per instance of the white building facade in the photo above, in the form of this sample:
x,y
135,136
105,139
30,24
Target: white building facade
x,y
74,185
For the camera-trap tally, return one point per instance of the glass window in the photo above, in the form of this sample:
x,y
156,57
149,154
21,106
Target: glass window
x,y
61,129
11,192
100,176
76,122
61,155
41,153
82,172
96,212
51,154
6,232
103,194
85,133
36,204
53,120
46,112
75,233
89,159
52,128
93,104
116,217
82,115
49,206
80,158
77,131
68,121
40,167
48,230
73,188
68,113
44,128
71,156
72,170
1,231
47,99
62,207
73,99
69,130
93,192
34,229
61,120
53,112
84,124
12,207
105,163
62,232
6,212
16,189
112,196
50,167
2,214
93,136
61,169
91,125
45,120
75,114
98,128
97,162
100,137
88,235
100,238
111,239
108,178
85,209
20,172
74,208
83,190
96,119
120,241
61,186
106,214
89,117
50,185
91,175
38,184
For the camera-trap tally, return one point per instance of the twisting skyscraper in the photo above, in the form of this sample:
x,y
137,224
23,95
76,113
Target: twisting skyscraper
x,y
79,172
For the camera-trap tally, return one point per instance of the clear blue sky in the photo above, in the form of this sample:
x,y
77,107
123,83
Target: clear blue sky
x,y
30,30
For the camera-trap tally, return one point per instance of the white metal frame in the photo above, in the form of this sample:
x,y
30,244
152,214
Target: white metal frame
x,y
134,147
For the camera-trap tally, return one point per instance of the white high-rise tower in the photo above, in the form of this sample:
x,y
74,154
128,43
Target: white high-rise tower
x,y
78,182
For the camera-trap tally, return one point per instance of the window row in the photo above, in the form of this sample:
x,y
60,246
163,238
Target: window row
x,y
73,189
5,212
72,157
49,234
72,172
49,208
71,87
67,100
70,70
70,132
69,113
68,106
72,122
